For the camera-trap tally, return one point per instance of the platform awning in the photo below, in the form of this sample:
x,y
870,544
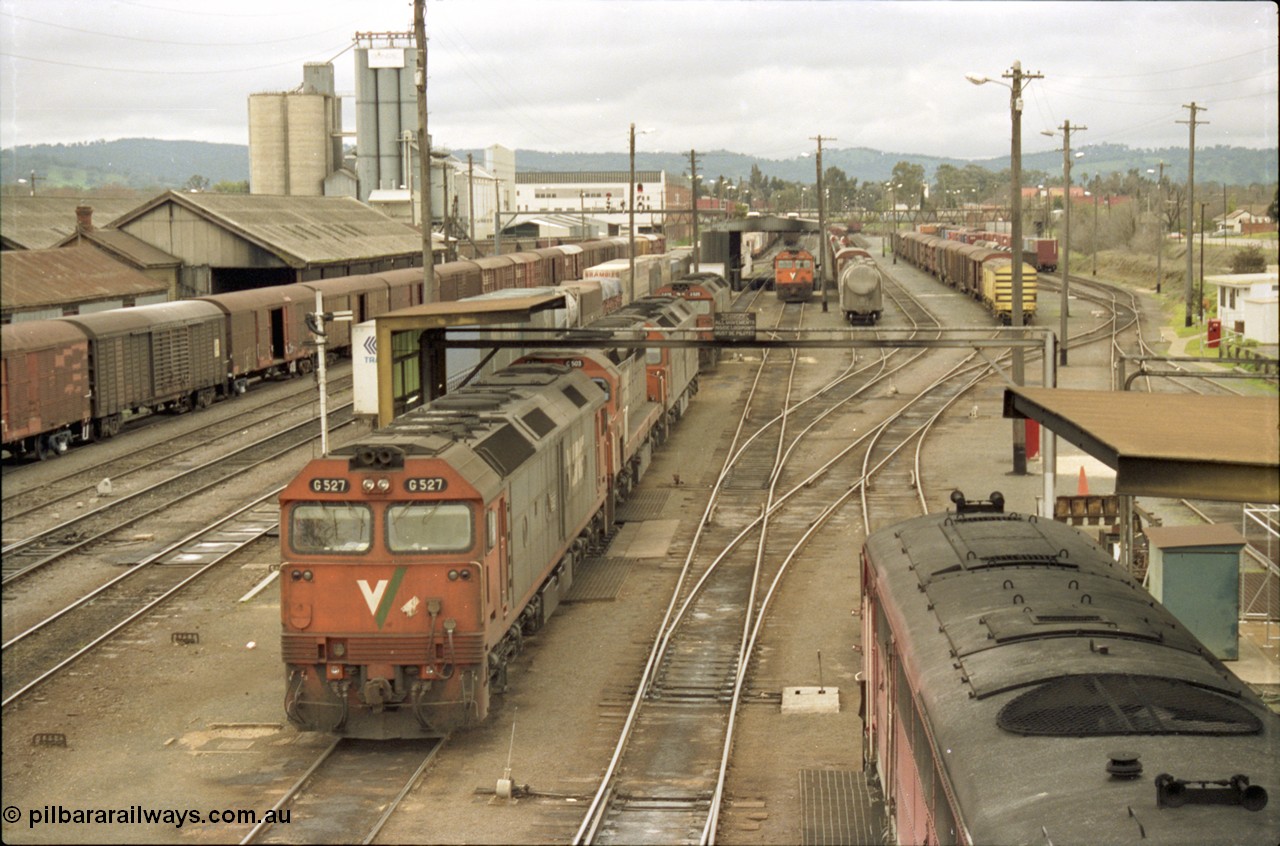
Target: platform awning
x,y
1167,445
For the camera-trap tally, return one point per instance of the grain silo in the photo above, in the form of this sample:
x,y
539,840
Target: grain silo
x,y
295,139
386,112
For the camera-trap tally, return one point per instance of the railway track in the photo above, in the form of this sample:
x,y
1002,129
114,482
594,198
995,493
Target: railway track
x,y
36,487
349,793
699,666
41,651
23,557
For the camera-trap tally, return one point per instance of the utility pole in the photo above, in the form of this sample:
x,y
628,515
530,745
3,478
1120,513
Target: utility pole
x,y
497,215
471,201
424,150
1191,201
1160,230
822,225
1066,252
693,181
631,209
1015,238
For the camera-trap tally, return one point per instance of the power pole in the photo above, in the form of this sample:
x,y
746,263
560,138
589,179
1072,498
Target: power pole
x,y
693,181
424,150
822,225
1191,201
471,201
1160,227
1015,239
1066,252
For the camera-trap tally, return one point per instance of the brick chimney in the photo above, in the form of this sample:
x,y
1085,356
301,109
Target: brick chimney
x,y
84,218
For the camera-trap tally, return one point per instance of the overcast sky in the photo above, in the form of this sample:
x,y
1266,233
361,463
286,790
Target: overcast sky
x,y
752,77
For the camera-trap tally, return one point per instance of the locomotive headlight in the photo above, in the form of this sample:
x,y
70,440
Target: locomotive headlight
x,y
367,485
306,575
384,485
453,575
296,575
337,650
466,575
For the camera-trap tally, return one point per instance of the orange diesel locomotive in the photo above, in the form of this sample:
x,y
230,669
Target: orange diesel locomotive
x,y
793,275
414,563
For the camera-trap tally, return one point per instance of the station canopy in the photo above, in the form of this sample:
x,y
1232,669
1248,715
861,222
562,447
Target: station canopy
x,y
1224,448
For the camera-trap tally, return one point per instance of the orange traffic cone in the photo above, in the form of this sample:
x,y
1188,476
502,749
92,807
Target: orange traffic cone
x,y
1082,487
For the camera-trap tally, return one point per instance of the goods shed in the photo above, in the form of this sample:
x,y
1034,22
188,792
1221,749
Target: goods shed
x,y
45,284
231,242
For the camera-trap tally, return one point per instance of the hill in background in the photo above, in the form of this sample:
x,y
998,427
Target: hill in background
x,y
149,163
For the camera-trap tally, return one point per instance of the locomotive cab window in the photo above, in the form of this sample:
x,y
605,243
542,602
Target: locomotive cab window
x,y
330,527
429,527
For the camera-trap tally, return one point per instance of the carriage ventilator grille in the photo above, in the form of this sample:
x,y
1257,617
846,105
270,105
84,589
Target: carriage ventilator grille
x,y
1119,704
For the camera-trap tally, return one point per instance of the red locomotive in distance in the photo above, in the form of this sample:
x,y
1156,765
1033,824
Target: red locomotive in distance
x,y
793,275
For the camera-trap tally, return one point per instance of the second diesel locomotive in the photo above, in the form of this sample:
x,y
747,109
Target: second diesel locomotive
x,y
793,275
415,562
1021,687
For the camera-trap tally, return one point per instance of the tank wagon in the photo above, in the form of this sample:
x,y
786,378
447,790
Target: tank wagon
x,y
415,562
861,290
1021,687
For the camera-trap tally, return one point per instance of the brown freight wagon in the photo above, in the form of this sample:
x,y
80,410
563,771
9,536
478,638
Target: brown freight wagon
x,y
163,357
457,280
44,387
266,332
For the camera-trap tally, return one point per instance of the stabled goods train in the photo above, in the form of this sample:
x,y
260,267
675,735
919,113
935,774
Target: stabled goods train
x,y
162,357
415,562
1020,687
793,275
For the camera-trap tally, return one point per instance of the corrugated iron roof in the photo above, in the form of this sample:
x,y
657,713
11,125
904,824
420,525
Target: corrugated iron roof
x,y
38,223
120,243
301,231
43,278
1223,448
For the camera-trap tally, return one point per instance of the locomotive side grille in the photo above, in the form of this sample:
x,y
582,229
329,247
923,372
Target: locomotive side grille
x,y
1123,704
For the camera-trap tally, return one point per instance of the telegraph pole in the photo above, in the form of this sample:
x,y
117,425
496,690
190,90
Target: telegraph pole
x,y
693,180
424,150
1066,252
1015,238
1191,201
822,224
1160,227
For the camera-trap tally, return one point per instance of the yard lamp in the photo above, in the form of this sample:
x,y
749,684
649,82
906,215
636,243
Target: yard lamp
x,y
631,202
1017,76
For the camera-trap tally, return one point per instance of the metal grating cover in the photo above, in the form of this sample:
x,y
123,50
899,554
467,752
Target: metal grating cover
x,y
1119,704
599,579
642,505
838,807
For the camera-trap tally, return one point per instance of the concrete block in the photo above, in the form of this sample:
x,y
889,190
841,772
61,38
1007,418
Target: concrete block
x,y
811,700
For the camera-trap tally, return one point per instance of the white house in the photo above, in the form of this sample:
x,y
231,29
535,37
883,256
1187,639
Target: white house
x,y
1249,304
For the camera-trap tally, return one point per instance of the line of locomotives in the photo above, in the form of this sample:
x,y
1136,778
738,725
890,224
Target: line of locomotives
x,y
1020,687
983,270
416,561
76,379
